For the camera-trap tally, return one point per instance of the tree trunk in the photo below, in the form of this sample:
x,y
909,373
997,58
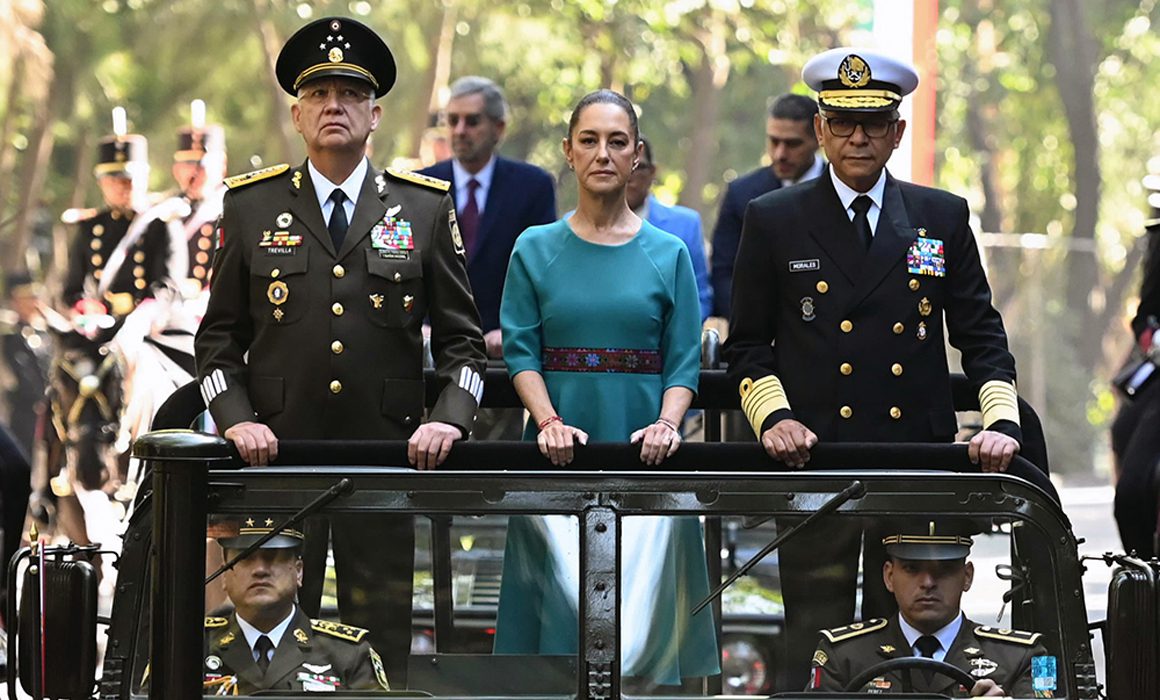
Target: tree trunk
x,y
436,76
708,80
280,128
1073,52
11,107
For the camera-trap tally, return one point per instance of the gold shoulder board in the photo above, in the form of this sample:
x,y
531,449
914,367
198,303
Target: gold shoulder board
x,y
334,629
1006,635
424,180
841,634
249,178
211,622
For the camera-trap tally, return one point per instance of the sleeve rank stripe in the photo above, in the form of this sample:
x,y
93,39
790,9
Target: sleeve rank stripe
x,y
999,401
471,382
761,398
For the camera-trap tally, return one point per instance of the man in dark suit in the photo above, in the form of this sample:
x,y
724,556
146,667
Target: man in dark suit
x,y
843,288
927,573
321,282
496,199
792,149
268,642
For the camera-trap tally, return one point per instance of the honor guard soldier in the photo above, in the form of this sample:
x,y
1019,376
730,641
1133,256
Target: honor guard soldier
x,y
268,643
188,217
322,280
99,266
844,287
928,572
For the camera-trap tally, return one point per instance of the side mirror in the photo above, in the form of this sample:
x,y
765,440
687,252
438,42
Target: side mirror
x,y
57,622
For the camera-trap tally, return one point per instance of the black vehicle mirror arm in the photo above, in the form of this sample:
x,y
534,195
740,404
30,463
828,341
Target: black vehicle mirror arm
x,y
343,487
855,490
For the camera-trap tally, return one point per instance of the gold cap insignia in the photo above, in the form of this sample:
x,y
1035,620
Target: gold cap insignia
x,y
335,55
854,72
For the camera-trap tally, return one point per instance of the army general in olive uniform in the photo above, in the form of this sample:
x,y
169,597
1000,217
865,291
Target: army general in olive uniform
x,y
843,288
268,642
928,574
324,275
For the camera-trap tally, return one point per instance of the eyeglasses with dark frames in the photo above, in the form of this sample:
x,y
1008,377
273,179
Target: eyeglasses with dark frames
x,y
845,126
470,120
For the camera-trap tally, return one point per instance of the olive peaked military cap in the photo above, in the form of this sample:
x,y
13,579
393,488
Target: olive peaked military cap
x,y
335,46
234,533
934,542
859,80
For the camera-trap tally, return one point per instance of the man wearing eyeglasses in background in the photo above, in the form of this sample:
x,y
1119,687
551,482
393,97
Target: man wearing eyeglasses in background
x,y
842,289
496,199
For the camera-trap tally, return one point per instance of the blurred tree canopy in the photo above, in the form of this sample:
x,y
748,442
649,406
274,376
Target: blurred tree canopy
x,y
1045,123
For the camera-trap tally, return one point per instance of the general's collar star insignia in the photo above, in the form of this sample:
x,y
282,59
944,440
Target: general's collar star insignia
x,y
887,649
300,635
380,183
249,522
971,650
269,522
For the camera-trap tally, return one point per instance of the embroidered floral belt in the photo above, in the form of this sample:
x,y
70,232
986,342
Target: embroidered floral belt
x,y
602,360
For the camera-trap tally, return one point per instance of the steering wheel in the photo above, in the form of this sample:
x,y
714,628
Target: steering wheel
x,y
910,662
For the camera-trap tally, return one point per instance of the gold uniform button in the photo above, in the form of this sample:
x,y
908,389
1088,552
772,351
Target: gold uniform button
x,y
336,387
275,272
98,230
95,244
97,260
845,411
139,256
896,369
204,243
202,257
398,277
898,328
139,283
199,272
823,287
336,309
846,326
339,271
895,412
336,347
138,271
913,284
846,368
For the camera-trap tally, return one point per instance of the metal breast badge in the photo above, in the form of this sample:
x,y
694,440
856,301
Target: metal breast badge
x,y
808,309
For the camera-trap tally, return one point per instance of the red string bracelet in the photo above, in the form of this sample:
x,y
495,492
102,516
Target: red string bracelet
x,y
548,421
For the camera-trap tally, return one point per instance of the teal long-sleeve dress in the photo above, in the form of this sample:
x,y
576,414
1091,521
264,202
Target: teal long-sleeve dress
x,y
610,328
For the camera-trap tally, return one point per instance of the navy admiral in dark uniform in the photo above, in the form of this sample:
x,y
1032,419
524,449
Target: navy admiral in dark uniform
x,y
324,276
928,573
843,289
268,642
122,161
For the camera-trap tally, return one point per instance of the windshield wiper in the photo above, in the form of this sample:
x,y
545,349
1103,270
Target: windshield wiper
x,y
343,487
855,490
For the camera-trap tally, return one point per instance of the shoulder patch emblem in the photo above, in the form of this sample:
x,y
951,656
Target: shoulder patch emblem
x,y
841,634
335,629
212,622
424,180
256,176
1006,635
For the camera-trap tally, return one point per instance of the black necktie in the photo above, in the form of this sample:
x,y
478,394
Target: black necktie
x,y
927,645
861,206
338,223
264,646
469,216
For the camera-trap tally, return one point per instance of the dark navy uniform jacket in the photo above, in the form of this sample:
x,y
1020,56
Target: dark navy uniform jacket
x,y
727,231
96,238
334,342
855,336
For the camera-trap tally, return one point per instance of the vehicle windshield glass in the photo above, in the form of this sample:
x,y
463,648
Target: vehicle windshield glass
x,y
515,579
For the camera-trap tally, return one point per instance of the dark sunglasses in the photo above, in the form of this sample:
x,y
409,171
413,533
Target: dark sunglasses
x,y
471,120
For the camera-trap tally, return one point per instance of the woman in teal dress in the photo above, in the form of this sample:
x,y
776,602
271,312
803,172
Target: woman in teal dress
x,y
601,331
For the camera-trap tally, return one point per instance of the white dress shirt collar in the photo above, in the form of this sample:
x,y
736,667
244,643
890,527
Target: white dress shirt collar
x,y
847,194
252,633
945,636
483,177
351,187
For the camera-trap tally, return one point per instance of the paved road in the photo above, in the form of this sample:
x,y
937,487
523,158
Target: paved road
x,y
1090,511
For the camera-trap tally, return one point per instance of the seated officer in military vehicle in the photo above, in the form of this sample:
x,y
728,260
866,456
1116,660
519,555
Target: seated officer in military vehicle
x,y
268,642
928,575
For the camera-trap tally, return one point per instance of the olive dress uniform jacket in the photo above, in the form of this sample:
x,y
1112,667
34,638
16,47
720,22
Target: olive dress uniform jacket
x,y
312,655
855,336
96,238
334,337
1003,656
